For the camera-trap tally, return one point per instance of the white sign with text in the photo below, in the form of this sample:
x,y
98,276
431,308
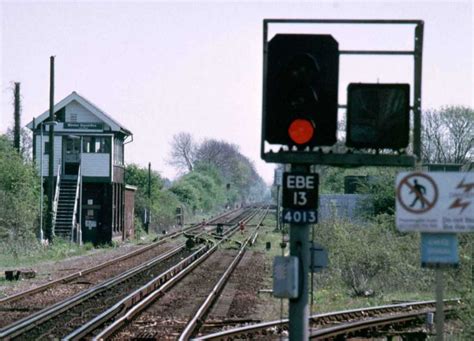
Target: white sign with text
x,y
435,201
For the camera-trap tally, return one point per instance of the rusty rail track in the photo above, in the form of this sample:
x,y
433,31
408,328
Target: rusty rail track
x,y
82,273
36,320
195,322
375,323
22,326
353,320
135,308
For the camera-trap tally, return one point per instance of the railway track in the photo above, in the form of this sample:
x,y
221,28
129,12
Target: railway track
x,y
56,320
65,317
196,321
339,324
159,319
18,306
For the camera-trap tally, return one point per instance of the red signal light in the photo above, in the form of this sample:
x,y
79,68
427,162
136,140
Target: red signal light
x,y
301,131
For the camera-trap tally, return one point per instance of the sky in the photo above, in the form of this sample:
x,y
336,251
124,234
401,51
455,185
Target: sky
x,y
164,67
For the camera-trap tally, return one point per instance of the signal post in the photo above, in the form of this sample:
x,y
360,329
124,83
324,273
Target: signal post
x,y
301,106
300,118
300,192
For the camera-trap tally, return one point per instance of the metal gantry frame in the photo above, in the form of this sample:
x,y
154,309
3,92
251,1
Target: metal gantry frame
x,y
354,157
301,161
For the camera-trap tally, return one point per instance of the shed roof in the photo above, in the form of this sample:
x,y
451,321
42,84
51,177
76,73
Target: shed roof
x,y
94,109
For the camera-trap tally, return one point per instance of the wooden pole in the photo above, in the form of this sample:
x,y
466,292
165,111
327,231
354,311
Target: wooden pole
x,y
16,129
49,226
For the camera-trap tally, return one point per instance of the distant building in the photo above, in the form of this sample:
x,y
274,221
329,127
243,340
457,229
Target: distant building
x,y
89,170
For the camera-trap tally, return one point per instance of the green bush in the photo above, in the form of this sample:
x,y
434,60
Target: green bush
x,y
19,195
161,202
372,258
163,210
460,281
187,194
202,190
210,192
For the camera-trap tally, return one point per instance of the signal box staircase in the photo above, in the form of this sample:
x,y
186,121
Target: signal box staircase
x,y
65,215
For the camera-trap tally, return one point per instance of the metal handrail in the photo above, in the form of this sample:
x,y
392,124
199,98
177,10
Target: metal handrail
x,y
76,199
56,197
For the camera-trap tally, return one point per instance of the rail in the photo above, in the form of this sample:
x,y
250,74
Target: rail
x,y
22,326
56,197
84,272
250,331
198,317
145,293
136,307
372,323
74,213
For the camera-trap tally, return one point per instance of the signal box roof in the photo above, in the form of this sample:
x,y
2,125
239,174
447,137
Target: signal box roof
x,y
89,106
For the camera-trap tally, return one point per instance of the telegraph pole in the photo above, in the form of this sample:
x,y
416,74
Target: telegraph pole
x,y
278,182
147,223
49,225
16,130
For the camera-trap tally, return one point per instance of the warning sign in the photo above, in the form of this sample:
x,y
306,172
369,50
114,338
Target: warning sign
x,y
435,202
417,193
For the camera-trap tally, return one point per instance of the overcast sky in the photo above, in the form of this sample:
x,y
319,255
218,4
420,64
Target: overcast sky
x,y
163,67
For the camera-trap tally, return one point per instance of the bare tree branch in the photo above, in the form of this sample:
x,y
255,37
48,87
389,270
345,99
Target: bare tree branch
x,y
448,135
183,150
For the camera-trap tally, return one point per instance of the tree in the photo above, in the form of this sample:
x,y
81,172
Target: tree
x,y
137,176
448,135
17,119
220,154
235,168
219,160
183,149
26,149
163,202
19,194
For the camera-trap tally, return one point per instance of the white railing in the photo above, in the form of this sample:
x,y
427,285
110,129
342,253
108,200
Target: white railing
x,y
74,222
56,198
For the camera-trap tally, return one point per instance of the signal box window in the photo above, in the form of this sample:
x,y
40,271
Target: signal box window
x,y
88,144
96,144
102,145
118,152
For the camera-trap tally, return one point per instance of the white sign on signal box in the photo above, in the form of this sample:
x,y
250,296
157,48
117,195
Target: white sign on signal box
x,y
435,202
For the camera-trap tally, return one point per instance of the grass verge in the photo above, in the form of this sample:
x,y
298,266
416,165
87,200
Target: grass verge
x,y
30,252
